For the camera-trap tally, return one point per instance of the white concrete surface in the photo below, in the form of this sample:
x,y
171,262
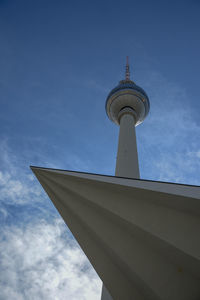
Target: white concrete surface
x,y
127,157
143,241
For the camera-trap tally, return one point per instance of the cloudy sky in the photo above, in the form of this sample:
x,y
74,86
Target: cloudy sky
x,y
58,61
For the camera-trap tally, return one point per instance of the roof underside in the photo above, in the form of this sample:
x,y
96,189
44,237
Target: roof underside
x,y
142,237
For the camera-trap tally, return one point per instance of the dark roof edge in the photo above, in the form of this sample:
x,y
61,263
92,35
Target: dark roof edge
x,y
103,175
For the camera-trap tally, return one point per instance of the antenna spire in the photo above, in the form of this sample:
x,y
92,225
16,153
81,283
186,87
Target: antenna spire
x,y
127,69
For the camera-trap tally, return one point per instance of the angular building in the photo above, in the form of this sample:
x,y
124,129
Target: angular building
x,y
142,237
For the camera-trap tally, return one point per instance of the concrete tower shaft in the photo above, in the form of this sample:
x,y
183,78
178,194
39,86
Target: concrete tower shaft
x,y
127,157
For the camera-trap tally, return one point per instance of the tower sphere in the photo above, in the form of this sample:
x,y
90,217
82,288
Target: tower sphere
x,y
127,97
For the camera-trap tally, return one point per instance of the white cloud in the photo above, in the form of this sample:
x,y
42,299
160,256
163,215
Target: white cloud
x,y
169,139
41,261
16,185
194,154
17,191
179,167
95,85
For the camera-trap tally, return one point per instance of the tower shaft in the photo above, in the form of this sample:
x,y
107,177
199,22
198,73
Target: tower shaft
x,y
127,156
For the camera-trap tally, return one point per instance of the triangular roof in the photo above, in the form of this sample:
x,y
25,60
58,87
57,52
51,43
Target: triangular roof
x,y
142,237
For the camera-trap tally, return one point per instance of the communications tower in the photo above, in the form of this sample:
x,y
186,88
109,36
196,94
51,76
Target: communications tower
x,y
141,236
127,105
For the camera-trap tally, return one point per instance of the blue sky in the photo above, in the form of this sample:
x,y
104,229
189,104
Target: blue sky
x,y
58,62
